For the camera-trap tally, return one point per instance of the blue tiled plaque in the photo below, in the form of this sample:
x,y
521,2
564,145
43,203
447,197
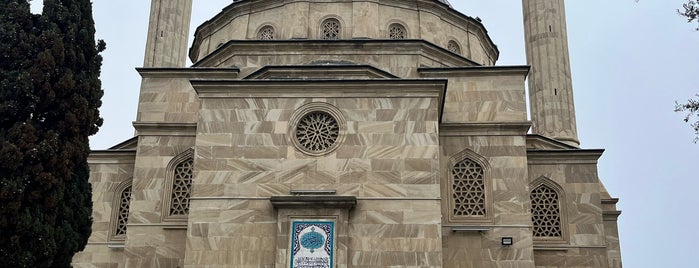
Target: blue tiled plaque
x,y
312,244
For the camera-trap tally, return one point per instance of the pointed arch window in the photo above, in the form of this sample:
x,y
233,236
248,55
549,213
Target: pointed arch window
x,y
454,47
180,173
331,29
120,211
546,211
469,189
397,31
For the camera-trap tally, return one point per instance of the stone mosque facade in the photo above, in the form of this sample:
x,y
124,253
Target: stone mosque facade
x,y
350,133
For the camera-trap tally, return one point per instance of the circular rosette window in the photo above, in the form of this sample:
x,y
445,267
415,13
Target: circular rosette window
x,y
317,128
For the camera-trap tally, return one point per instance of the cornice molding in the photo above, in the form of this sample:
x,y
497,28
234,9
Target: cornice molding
x,y
572,156
112,157
338,47
165,129
190,73
518,70
484,129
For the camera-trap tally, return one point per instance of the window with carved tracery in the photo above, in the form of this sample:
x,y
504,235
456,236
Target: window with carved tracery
x,y
331,29
546,214
454,47
181,188
123,212
468,189
317,131
266,33
397,31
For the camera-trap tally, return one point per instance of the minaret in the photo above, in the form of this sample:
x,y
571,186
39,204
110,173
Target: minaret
x,y
168,30
550,84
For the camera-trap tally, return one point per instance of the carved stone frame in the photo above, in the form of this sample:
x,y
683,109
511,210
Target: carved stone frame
x,y
313,207
543,180
317,107
167,189
488,189
116,206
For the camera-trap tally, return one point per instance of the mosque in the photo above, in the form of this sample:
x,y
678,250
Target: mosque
x,y
350,133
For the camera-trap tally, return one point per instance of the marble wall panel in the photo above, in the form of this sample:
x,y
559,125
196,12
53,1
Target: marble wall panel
x,y
582,215
485,98
149,241
399,170
167,100
508,213
105,179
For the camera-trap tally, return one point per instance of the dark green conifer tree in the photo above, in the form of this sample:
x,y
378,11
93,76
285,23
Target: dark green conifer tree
x,y
49,98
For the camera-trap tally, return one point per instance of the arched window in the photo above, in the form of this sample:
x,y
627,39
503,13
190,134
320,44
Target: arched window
x,y
266,33
397,31
454,47
331,29
179,186
120,211
546,212
468,189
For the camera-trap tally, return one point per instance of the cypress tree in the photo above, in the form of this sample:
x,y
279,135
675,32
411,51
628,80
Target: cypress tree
x,y
50,94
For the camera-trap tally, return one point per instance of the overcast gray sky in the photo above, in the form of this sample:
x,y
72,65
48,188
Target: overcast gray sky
x,y
630,62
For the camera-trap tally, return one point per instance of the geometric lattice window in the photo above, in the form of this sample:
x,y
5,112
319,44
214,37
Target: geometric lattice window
x,y
468,189
317,131
181,188
396,31
454,47
123,214
266,33
331,29
546,213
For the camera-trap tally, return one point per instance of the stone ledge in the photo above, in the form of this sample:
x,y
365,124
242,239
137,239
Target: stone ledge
x,y
313,201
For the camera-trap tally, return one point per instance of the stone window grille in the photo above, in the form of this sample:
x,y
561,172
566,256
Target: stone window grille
x,y
317,131
266,33
331,29
546,213
317,128
454,47
468,189
397,31
120,211
181,188
123,216
180,172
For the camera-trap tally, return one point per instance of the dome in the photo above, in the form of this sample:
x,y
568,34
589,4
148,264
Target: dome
x,y
432,21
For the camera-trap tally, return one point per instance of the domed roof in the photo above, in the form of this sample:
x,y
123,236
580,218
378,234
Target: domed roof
x,y
441,1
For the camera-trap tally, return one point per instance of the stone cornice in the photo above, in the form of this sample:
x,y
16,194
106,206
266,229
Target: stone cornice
x,y
190,73
611,215
161,129
320,70
573,156
336,47
112,157
484,129
314,201
539,142
521,70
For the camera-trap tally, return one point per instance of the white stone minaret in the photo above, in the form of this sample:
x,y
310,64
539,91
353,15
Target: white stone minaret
x,y
550,84
168,30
